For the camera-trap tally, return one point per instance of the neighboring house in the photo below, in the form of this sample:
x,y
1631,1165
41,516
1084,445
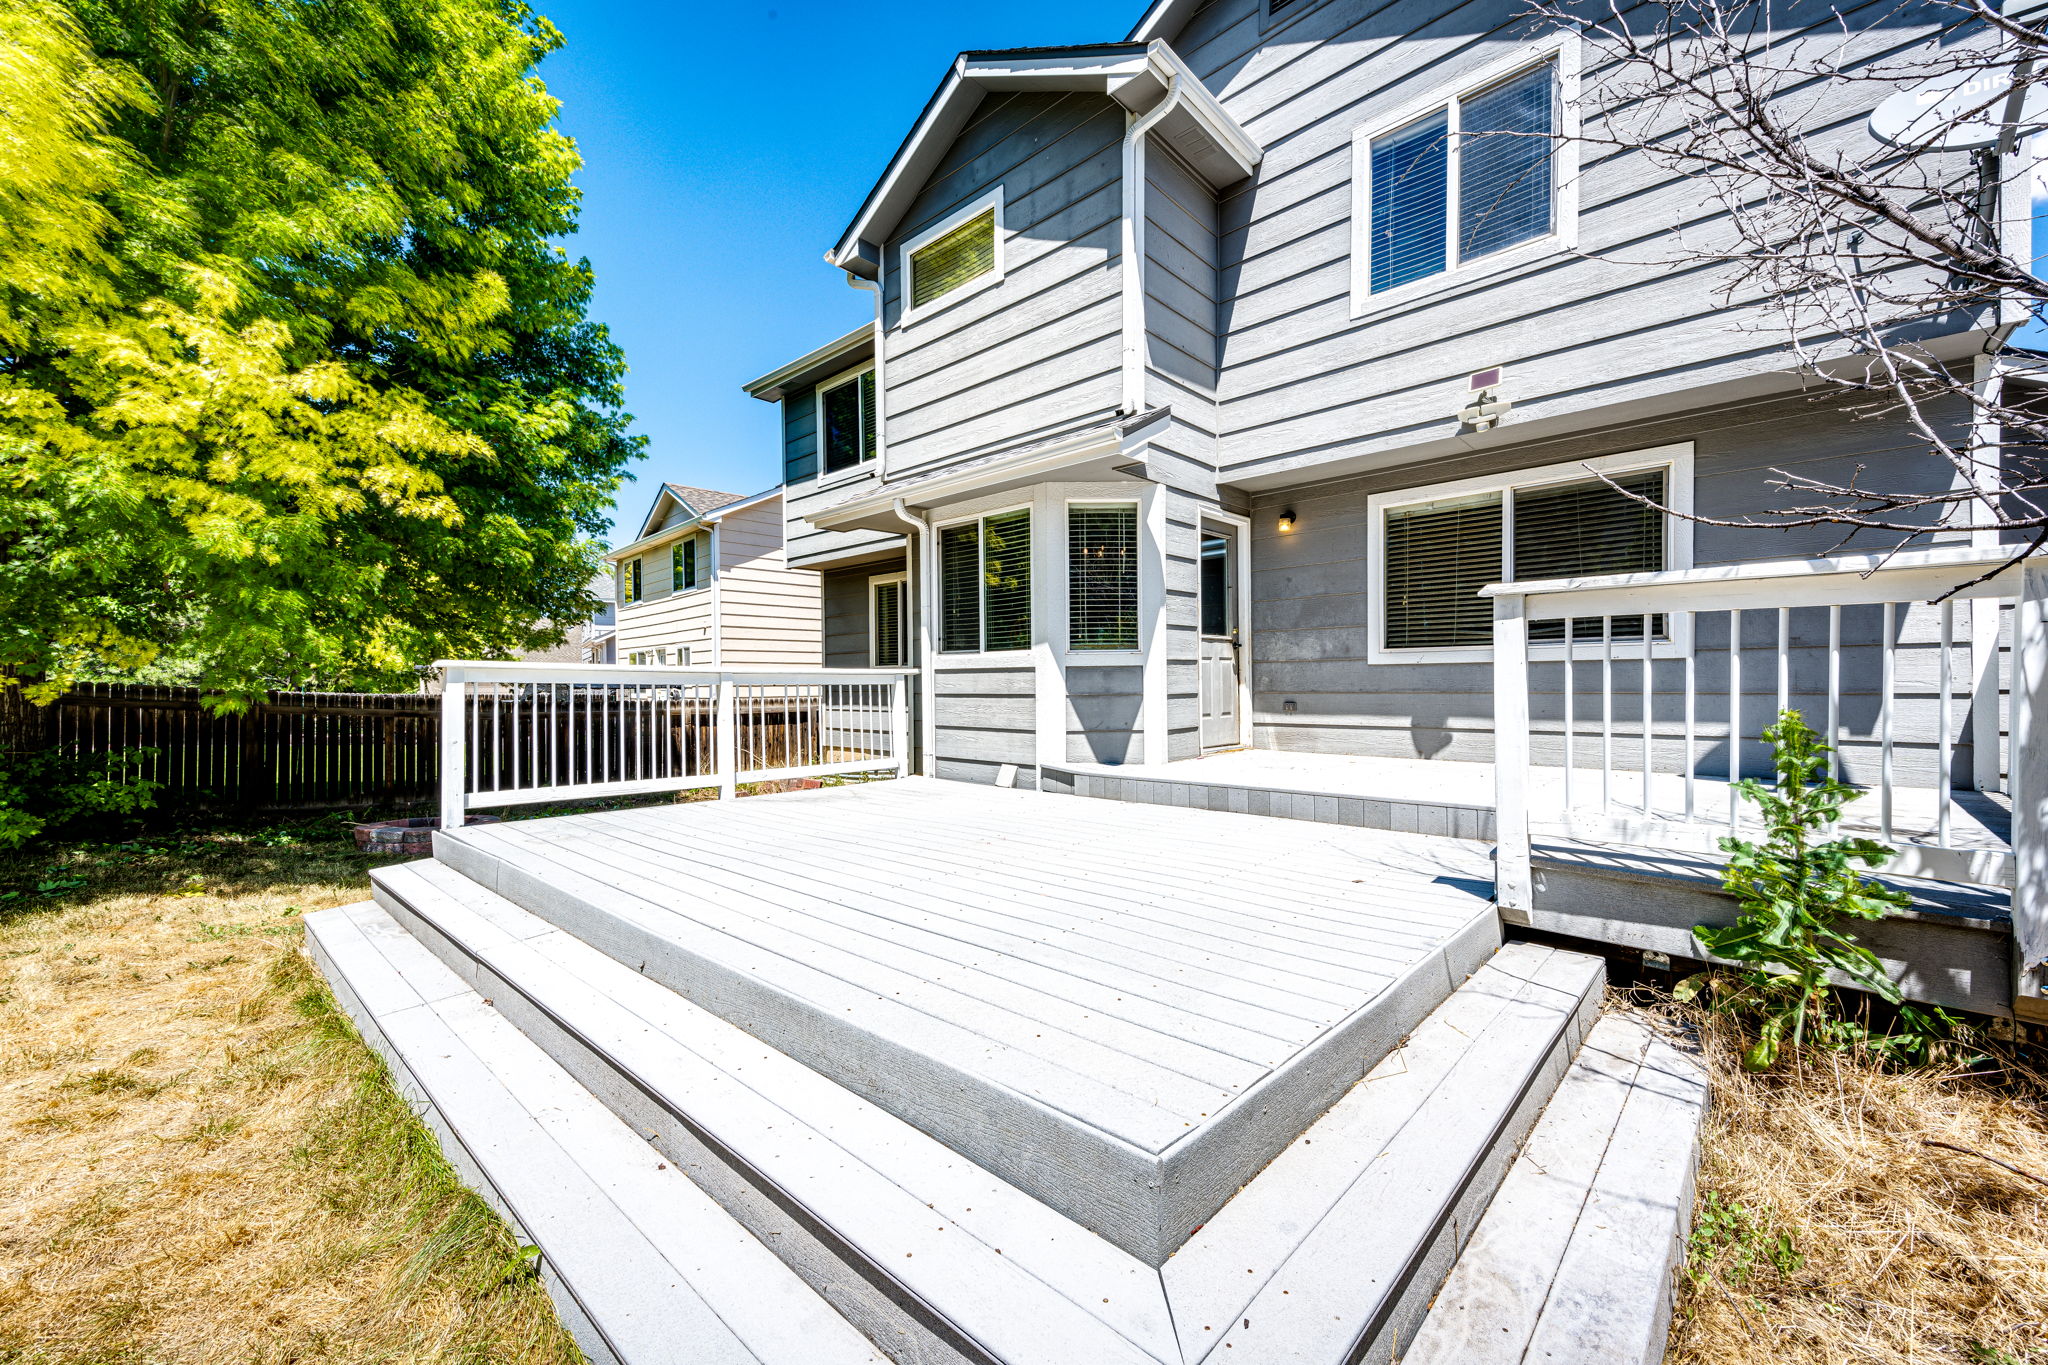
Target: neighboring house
x,y
1173,387
706,584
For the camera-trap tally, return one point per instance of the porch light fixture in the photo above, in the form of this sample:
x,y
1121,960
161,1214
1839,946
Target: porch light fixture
x,y
1287,519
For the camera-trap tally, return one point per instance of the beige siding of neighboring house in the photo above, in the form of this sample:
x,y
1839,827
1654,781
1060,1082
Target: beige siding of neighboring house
x,y
771,614
666,619
757,612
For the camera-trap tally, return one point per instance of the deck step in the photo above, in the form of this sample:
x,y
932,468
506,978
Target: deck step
x,y
646,1268
913,1242
1334,1253
1124,1012
1577,1257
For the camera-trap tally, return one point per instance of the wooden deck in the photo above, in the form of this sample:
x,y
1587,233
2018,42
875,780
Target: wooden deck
x,y
1125,1011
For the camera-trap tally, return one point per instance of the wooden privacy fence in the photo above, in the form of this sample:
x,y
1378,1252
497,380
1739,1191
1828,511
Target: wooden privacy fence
x,y
291,751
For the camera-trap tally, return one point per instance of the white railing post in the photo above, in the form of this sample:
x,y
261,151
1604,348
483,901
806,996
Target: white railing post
x,y
454,745
726,740
899,722
2028,774
1512,880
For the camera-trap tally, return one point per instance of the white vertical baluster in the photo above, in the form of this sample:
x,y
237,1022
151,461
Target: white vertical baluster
x,y
1570,689
1512,876
1835,691
1691,693
1890,678
1649,709
1606,715
726,763
1946,794
1734,717
1784,662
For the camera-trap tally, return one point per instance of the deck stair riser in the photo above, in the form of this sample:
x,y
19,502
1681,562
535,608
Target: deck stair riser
x,y
644,1267
1043,1092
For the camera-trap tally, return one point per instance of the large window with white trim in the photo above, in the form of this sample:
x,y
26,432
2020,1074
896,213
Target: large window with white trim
x,y
1436,548
1461,178
985,583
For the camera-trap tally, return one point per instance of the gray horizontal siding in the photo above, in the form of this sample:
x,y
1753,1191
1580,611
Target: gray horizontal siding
x,y
984,716
1311,609
1039,353
1302,383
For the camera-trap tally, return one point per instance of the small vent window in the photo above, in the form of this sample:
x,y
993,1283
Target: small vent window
x,y
847,413
1102,577
985,584
965,254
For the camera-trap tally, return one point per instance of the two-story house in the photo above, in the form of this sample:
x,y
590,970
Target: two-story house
x,y
1178,428
705,583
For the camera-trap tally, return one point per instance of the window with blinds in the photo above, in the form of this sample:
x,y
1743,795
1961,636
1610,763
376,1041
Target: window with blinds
x,y
1436,556
1485,156
683,565
846,416
886,628
1586,527
985,584
966,253
1102,577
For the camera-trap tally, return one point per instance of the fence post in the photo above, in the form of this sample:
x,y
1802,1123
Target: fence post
x,y
725,741
454,745
899,722
2029,782
1512,881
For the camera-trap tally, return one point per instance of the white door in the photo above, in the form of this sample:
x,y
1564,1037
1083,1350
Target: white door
x,y
1221,645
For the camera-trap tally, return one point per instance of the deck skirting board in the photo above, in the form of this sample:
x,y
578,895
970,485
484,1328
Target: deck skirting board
x,y
1441,819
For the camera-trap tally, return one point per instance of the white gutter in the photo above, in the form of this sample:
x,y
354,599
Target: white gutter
x,y
927,667
1134,259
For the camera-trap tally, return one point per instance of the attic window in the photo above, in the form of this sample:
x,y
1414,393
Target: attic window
x,y
956,253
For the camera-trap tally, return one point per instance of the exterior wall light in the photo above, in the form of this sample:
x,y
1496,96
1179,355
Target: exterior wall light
x,y
1287,520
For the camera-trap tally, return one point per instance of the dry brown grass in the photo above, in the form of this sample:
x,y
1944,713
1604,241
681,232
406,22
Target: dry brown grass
x,y
1828,1232
199,1162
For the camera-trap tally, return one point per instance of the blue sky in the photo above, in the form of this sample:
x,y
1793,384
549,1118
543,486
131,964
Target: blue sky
x,y
724,148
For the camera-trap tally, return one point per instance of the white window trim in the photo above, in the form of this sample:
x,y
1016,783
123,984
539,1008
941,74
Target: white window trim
x,y
703,573
864,468
993,199
1564,233
1678,492
1064,645
965,658
903,625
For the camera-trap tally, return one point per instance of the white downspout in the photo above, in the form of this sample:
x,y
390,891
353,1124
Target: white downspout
x,y
927,670
717,602
881,402
1134,257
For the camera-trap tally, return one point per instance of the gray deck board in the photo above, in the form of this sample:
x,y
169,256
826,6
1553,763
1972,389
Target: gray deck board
x,y
1025,976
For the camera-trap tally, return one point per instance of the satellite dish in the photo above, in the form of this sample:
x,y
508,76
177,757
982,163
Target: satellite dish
x,y
1958,110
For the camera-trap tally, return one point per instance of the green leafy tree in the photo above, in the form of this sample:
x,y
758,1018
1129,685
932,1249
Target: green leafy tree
x,y
295,385
1797,889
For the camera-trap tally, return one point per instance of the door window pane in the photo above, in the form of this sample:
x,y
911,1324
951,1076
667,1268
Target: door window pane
x,y
1218,615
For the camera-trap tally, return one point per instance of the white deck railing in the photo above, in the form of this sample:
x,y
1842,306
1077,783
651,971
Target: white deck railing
x,y
1604,735
514,734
